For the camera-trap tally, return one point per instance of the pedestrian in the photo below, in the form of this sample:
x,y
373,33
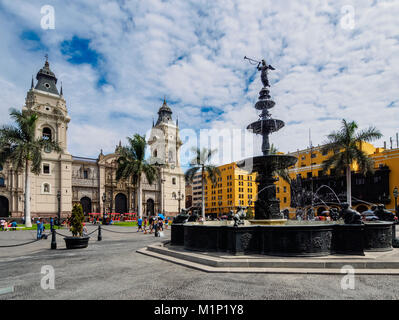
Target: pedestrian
x,y
166,222
139,223
145,225
84,231
39,226
51,224
151,221
156,227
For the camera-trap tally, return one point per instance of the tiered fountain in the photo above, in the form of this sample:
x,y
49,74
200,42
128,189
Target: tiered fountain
x,y
267,207
269,234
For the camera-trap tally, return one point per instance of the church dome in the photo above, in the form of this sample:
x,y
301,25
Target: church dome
x,y
46,79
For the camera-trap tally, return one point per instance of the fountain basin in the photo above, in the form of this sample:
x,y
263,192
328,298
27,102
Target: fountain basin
x,y
269,222
307,240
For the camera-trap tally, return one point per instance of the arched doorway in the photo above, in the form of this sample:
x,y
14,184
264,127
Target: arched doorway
x,y
150,207
361,208
120,203
86,205
4,207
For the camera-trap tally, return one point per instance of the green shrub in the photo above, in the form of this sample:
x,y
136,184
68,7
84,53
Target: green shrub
x,y
76,220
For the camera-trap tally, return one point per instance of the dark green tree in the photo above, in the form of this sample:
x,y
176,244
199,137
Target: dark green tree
x,y
76,220
201,162
346,146
132,165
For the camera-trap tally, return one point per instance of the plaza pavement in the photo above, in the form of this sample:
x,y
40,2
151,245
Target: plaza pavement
x,y
112,269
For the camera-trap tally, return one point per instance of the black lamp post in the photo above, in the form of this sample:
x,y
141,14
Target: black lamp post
x,y
396,194
179,198
59,207
104,198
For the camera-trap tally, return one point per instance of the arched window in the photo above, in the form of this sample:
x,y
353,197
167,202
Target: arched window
x,y
46,133
2,182
46,188
156,153
173,180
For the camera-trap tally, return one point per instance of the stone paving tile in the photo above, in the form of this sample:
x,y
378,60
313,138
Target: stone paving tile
x,y
112,269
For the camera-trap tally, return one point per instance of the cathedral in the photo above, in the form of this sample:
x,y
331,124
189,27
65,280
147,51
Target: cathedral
x,y
66,179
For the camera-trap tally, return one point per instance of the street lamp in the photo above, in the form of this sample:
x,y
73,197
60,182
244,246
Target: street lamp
x,y
104,199
59,207
163,195
179,198
396,194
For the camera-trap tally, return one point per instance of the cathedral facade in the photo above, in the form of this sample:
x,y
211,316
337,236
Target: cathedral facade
x,y
65,179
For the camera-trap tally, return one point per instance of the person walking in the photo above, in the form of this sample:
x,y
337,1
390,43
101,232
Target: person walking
x,y
151,221
139,223
156,227
145,225
51,224
39,225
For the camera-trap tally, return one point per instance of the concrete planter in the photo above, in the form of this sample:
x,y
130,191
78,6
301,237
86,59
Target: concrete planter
x,y
76,242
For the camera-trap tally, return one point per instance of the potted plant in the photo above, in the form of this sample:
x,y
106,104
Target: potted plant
x,y
77,241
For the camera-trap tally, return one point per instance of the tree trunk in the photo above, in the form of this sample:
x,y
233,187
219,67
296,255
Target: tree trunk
x,y
139,204
348,186
28,222
203,193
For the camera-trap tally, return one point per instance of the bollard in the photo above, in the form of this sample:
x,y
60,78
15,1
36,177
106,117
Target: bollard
x,y
99,238
53,240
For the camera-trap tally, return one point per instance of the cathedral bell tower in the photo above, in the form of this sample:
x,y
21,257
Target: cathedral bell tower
x,y
55,178
165,147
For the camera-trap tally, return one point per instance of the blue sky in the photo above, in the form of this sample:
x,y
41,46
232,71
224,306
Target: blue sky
x,y
117,61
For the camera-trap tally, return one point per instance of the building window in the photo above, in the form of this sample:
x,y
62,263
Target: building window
x,y
46,168
285,199
46,188
46,133
173,180
313,155
285,189
2,182
1,167
156,153
85,174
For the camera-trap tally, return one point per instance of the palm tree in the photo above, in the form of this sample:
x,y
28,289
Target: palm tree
x,y
283,173
346,146
19,146
132,165
201,161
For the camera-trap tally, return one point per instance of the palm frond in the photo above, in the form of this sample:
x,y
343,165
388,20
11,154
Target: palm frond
x,y
190,173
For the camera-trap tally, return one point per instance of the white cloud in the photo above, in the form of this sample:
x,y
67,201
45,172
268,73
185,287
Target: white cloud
x,y
192,53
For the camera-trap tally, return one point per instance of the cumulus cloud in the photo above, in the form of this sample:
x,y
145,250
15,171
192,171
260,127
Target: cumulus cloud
x,y
138,52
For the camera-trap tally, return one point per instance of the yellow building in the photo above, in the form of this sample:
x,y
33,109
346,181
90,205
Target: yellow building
x,y
366,190
234,188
